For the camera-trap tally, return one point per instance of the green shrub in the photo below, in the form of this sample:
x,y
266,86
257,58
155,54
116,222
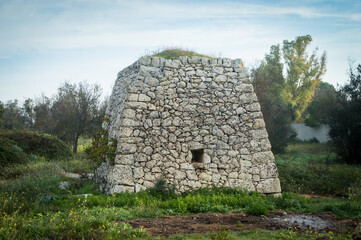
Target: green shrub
x,y
43,145
10,153
257,207
102,147
162,189
291,201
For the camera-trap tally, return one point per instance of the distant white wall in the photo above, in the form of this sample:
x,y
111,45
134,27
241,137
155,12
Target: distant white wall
x,y
306,133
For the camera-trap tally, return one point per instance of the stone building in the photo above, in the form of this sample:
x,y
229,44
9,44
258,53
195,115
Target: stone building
x,y
194,121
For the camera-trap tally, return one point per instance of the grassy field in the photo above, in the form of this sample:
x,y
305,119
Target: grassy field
x,y
33,207
312,168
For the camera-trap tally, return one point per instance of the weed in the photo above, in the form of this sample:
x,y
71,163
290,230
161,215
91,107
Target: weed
x,y
102,147
222,234
257,207
239,224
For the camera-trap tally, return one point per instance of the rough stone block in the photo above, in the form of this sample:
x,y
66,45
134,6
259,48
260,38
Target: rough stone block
x,y
162,109
271,185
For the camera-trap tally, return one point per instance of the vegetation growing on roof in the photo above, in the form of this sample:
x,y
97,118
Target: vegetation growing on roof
x,y
175,53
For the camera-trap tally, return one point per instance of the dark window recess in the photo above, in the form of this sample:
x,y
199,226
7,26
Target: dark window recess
x,y
197,155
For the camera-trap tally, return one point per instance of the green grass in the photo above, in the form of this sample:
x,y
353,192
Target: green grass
x,y
260,234
313,169
33,143
33,207
175,53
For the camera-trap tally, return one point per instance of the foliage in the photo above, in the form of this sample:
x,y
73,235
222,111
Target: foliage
x,y
345,128
76,110
28,113
261,234
43,145
43,118
76,165
320,109
33,207
222,234
304,73
269,83
285,97
257,207
2,110
162,189
78,224
175,53
12,116
102,147
312,169
10,153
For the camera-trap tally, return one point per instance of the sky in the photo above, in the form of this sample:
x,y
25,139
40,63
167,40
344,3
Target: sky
x,y
44,43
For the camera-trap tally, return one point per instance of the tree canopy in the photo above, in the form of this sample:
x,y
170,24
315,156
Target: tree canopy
x,y
345,127
76,110
285,83
320,109
304,73
268,82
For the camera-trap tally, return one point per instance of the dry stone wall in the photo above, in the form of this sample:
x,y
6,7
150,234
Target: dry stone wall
x,y
194,121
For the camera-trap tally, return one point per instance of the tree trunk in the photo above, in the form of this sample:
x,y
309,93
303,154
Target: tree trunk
x,y
75,145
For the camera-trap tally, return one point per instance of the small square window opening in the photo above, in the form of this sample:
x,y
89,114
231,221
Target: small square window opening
x,y
197,155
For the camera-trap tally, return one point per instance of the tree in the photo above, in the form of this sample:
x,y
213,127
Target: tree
x,y
269,82
12,116
304,73
320,109
2,110
28,113
345,128
76,109
43,120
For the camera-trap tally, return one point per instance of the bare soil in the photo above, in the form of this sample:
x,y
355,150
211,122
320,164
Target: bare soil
x,y
203,223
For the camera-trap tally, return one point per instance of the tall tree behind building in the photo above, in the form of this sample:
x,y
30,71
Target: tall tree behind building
x,y
2,110
345,127
269,85
304,73
320,109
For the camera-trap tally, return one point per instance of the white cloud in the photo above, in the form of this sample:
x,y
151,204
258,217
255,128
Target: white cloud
x,y
69,24
62,29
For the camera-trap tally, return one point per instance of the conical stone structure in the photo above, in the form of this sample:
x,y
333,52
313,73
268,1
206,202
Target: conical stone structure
x,y
194,121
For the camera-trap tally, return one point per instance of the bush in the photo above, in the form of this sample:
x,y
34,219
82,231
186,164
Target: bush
x,y
162,189
43,145
10,153
257,207
345,128
102,147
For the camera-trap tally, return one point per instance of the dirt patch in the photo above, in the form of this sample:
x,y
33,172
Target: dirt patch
x,y
202,223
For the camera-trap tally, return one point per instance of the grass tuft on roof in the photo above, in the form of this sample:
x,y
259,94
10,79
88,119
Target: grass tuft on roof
x,y
175,53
